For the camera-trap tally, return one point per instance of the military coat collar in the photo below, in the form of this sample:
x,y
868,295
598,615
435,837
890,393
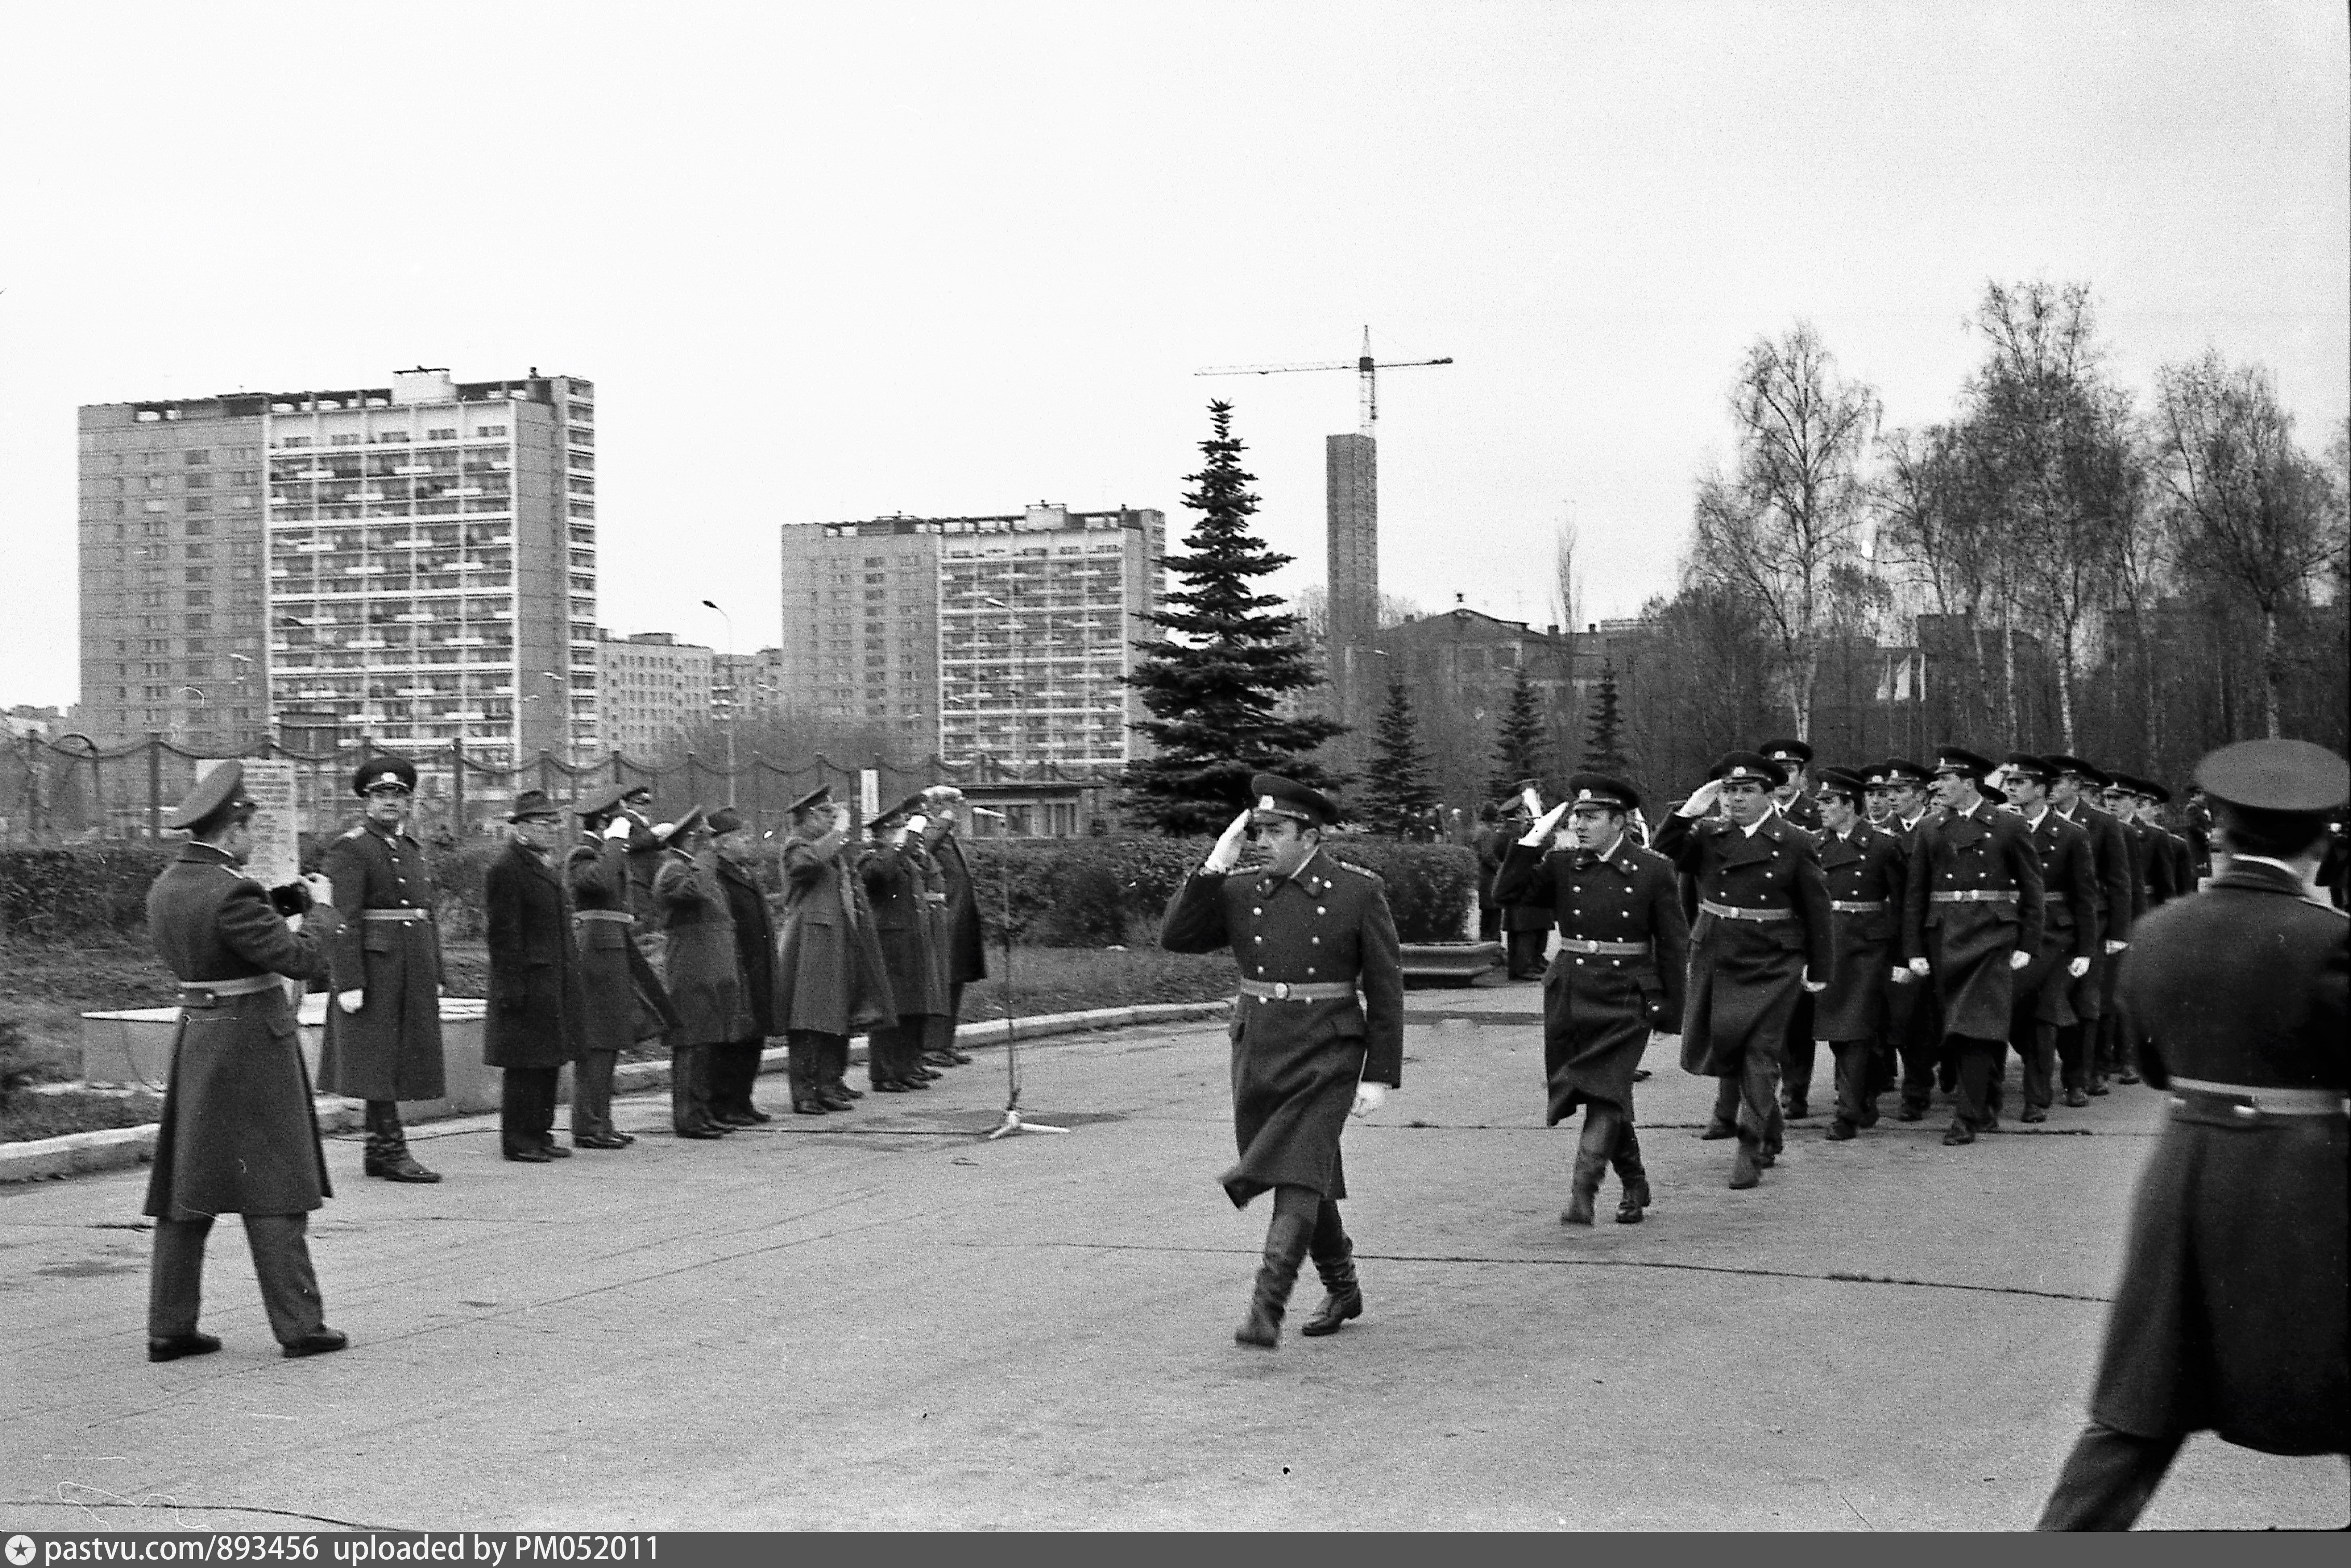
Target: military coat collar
x,y
1314,877
196,853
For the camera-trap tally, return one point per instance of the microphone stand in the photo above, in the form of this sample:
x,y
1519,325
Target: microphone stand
x,y
1012,1126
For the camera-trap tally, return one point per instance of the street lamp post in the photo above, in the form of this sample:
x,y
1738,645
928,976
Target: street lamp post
x,y
560,694
713,604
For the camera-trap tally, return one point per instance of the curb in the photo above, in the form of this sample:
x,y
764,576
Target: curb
x,y
118,1148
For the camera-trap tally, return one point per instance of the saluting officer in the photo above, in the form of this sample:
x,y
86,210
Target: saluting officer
x,y
237,1135
384,1025
1864,869
1308,932
734,1066
1972,920
704,982
1761,940
2230,1312
2042,1002
825,984
623,1001
2074,794
1624,951
965,956
894,888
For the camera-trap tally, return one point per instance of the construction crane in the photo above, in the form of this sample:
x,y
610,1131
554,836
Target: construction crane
x,y
1364,366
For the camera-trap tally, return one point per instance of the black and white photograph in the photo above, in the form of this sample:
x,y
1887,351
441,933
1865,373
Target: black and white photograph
x,y
1264,767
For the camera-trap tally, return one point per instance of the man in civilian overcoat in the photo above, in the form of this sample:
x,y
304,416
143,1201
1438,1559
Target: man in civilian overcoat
x,y
1317,1034
239,1135
1971,921
2230,1315
1761,940
734,1066
1864,868
384,1022
532,1025
1617,978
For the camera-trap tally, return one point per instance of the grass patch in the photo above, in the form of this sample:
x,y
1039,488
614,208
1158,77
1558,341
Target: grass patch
x,y
28,1116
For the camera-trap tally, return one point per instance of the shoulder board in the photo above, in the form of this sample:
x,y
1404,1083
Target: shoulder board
x,y
356,833
1364,872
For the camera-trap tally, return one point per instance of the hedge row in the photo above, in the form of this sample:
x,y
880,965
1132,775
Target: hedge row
x,y
1071,892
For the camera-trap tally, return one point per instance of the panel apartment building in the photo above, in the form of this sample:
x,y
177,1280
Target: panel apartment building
x,y
655,690
415,563
1004,636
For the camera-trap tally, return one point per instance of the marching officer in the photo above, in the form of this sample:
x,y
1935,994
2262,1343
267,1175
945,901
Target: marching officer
x,y
1317,1032
2093,997
2042,1002
237,1135
734,1066
623,1000
705,983
1914,1020
384,1024
2230,1312
1864,868
1794,801
532,1025
1761,940
1624,951
1972,920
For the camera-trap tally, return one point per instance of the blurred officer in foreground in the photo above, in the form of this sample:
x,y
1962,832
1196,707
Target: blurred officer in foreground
x,y
238,1136
1761,941
532,1025
1624,949
384,1024
1308,932
2229,1313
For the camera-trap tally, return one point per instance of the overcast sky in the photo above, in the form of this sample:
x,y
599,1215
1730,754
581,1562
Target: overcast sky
x,y
840,261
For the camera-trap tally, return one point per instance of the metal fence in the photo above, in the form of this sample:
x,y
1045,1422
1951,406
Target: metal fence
x,y
72,790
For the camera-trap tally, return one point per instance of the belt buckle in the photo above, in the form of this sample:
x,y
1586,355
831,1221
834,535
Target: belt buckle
x,y
1281,990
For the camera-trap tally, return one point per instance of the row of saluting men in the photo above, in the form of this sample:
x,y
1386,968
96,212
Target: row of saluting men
x,y
639,931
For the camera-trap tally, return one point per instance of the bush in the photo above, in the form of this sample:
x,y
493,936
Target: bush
x,y
1430,887
81,892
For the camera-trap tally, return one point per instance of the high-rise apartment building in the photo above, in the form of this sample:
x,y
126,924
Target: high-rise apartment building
x,y
1005,636
655,689
415,563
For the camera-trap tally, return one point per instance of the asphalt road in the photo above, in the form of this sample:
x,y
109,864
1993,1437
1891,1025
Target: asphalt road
x,y
880,1320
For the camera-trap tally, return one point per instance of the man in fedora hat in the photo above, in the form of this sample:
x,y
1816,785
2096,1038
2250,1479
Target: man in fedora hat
x,y
1317,1034
1618,978
1971,920
238,1134
704,975
1761,940
533,1024
2229,1313
624,1000
384,1022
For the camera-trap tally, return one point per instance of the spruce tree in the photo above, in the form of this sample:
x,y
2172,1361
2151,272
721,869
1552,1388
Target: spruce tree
x,y
1396,793
1521,749
1603,747
1212,685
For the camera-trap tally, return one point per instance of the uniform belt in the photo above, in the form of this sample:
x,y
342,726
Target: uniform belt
x,y
1299,990
1857,906
1604,949
1977,895
617,916
249,985
2055,898
2268,1102
1732,912
382,915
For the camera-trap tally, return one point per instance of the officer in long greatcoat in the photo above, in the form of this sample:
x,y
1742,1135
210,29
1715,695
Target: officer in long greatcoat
x,y
734,1066
383,1023
704,984
1317,1033
623,1000
1617,976
1972,919
895,890
964,955
237,1135
1762,938
2230,1312
1794,800
825,985
1914,1021
1864,869
533,1022
2042,1000
2074,796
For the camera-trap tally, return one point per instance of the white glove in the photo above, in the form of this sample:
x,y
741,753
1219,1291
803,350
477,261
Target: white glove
x,y
1901,975
2020,960
321,890
916,824
840,817
1227,852
2114,948
1544,825
1533,801
1370,1097
353,1000
1812,985
1701,799
2078,967
618,829
1920,967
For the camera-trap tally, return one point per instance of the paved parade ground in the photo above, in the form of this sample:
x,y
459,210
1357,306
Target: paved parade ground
x,y
880,1320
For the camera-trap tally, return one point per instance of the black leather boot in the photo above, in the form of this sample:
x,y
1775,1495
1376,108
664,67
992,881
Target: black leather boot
x,y
1343,1296
1746,1166
1632,1174
1285,1250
